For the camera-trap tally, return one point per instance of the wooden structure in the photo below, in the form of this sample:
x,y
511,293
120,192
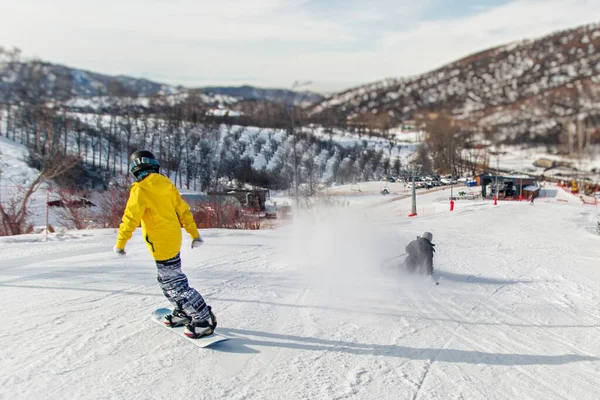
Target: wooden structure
x,y
531,191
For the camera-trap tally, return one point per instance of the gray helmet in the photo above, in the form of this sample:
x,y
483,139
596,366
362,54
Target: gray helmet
x,y
427,235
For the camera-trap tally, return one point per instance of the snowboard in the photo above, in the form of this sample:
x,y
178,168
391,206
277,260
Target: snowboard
x,y
158,316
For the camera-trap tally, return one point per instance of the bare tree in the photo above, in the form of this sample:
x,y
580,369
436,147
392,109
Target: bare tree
x,y
473,157
73,209
114,201
310,169
423,159
385,165
443,143
397,166
14,211
9,67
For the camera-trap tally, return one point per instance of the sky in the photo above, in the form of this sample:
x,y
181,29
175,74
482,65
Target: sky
x,y
334,44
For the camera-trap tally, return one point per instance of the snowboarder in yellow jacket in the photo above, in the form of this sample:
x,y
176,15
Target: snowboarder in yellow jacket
x,y
155,202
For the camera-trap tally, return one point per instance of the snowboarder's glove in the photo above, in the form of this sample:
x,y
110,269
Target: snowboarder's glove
x,y
197,242
119,251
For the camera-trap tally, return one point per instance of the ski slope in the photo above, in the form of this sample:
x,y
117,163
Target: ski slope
x,y
315,310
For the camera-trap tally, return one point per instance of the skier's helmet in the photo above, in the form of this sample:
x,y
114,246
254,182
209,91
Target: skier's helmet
x,y
142,163
427,235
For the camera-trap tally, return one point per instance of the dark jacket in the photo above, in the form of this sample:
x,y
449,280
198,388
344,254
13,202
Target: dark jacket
x,y
420,254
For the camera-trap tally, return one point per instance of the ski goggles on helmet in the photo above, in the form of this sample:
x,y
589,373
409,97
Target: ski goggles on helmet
x,y
143,161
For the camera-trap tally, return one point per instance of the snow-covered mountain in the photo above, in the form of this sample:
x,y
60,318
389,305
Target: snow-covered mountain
x,y
51,78
54,79
253,93
517,84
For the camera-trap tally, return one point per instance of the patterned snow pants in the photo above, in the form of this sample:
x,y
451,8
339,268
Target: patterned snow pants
x,y
174,285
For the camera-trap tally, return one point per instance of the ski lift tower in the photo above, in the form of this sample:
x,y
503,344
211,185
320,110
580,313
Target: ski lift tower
x,y
413,212
497,154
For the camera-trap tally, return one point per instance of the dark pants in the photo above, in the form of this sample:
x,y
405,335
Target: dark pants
x,y
416,265
176,289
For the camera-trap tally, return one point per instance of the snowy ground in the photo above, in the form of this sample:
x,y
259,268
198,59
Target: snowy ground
x,y
521,160
315,310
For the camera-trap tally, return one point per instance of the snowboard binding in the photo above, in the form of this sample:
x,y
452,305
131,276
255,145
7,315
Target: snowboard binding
x,y
198,329
176,318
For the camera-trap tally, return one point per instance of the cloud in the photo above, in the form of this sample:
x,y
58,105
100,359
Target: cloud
x,y
434,43
274,42
233,21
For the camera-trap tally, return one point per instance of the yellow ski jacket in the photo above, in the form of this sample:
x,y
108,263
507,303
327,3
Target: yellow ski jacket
x,y
157,204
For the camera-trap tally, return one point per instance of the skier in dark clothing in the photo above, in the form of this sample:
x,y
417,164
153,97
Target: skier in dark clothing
x,y
420,254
